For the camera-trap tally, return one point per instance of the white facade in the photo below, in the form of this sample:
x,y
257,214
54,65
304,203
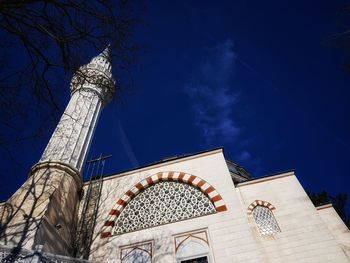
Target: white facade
x,y
230,234
336,226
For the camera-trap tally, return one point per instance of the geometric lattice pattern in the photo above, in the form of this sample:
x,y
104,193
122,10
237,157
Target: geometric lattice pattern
x,y
167,176
265,221
162,203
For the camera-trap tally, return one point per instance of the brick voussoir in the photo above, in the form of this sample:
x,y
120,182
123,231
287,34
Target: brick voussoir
x,y
114,212
221,208
109,223
106,234
149,181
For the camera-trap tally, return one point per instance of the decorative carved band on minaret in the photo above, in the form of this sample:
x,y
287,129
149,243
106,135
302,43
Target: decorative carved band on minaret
x,y
96,77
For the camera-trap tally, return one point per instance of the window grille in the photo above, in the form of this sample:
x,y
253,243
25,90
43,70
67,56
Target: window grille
x,y
265,221
162,203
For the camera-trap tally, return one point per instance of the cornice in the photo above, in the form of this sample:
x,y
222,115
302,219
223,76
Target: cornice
x,y
60,166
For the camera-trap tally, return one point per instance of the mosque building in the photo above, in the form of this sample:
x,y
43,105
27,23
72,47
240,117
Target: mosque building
x,y
191,209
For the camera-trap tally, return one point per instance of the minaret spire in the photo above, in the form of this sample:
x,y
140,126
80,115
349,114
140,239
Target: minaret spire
x,y
107,52
50,196
92,87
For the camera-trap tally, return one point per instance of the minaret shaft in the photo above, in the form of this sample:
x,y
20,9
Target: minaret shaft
x,y
72,137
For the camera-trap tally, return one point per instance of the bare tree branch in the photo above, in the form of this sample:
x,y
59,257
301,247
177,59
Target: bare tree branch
x,y
48,41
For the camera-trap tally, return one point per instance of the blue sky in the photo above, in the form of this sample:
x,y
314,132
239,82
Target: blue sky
x,y
256,77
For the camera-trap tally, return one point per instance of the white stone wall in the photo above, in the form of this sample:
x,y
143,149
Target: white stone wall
x,y
304,237
229,234
337,227
232,234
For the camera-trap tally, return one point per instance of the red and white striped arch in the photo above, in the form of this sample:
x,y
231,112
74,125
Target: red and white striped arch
x,y
190,179
261,203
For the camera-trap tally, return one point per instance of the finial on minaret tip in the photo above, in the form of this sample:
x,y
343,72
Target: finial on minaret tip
x,y
107,52
97,76
103,60
105,55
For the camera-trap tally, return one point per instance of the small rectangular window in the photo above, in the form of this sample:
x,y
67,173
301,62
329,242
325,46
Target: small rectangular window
x,y
196,260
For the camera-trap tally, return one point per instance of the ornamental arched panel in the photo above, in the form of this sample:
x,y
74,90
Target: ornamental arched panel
x,y
163,203
179,185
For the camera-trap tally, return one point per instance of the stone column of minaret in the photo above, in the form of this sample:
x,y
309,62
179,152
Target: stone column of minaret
x,y
43,211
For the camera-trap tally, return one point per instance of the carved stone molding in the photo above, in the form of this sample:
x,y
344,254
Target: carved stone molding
x,y
60,166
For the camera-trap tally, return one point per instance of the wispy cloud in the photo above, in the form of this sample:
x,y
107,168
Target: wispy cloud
x,y
214,98
211,94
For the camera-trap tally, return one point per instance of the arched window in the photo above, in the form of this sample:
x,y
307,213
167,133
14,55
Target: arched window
x,y
265,221
141,253
193,248
137,256
193,251
162,203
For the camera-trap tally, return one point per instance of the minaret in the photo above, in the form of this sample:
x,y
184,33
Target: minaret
x,y
44,210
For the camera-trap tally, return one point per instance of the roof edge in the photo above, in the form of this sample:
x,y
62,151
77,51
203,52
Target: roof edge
x,y
267,178
323,206
161,163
